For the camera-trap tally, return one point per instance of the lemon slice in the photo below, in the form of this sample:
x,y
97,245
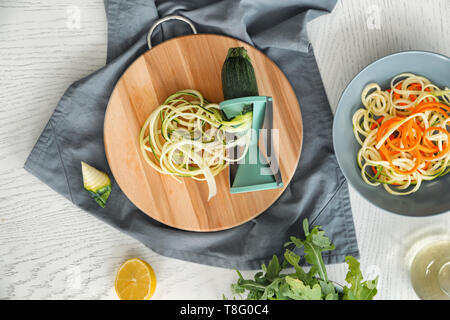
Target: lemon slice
x,y
135,280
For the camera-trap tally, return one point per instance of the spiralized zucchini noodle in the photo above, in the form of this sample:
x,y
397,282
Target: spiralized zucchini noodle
x,y
404,133
187,136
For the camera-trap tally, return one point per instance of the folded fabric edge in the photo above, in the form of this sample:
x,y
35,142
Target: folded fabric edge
x,y
350,231
46,146
342,196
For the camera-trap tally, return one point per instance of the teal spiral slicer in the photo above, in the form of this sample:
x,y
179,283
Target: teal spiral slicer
x,y
259,169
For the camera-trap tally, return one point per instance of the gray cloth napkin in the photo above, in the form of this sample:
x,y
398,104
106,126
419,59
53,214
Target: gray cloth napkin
x,y
318,189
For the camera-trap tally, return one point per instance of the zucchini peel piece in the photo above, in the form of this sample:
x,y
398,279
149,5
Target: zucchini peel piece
x,y
96,183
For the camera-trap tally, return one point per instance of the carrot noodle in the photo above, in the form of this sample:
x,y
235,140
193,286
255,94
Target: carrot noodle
x,y
403,133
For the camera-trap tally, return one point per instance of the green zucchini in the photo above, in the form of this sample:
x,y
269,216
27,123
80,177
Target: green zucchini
x,y
238,75
96,183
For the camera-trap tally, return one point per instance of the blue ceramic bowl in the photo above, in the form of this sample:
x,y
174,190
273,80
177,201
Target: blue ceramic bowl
x,y
433,196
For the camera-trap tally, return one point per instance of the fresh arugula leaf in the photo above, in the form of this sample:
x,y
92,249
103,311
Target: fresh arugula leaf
x,y
315,243
300,291
273,269
294,261
328,290
296,241
271,283
359,289
272,289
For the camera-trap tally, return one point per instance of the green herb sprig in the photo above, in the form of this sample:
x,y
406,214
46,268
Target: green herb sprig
x,y
314,284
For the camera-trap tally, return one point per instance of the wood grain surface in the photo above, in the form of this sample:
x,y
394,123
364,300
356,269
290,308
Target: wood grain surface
x,y
49,249
193,62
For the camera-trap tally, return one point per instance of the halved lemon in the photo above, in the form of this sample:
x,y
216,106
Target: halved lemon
x,y
135,280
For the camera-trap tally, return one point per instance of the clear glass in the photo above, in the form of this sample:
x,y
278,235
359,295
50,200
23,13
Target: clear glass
x,y
426,250
430,271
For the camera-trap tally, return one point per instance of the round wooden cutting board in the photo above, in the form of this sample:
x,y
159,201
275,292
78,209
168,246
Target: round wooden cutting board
x,y
193,61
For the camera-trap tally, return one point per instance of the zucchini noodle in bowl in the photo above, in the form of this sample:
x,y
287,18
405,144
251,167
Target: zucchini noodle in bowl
x,y
187,136
403,133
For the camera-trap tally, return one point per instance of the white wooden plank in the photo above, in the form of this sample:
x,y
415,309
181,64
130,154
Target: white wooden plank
x,y
50,249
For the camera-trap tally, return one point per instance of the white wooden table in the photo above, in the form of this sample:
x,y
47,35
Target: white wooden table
x,y
49,249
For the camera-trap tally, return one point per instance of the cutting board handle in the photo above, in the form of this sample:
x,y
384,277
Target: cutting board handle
x,y
157,23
